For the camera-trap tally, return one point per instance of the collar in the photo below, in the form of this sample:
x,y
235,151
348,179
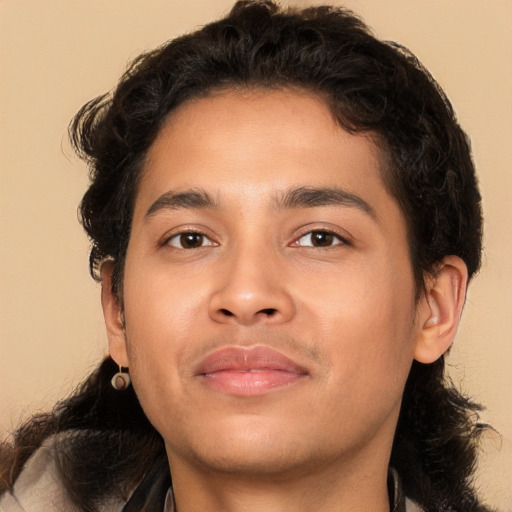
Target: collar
x,y
396,495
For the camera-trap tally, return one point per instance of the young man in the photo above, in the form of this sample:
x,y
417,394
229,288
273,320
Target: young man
x,y
284,217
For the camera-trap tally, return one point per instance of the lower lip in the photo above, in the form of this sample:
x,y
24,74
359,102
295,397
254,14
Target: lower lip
x,y
250,383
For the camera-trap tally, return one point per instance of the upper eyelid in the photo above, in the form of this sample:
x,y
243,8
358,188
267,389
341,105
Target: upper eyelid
x,y
341,240
175,232
328,231
341,234
168,242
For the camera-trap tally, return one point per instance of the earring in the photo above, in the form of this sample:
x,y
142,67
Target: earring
x,y
121,380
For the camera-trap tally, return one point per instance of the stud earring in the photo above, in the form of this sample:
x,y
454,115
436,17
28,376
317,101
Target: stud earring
x,y
121,380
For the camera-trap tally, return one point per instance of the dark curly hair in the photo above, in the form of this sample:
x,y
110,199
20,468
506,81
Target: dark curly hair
x,y
370,86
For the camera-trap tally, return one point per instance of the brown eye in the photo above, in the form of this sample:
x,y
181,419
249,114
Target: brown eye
x,y
189,241
319,239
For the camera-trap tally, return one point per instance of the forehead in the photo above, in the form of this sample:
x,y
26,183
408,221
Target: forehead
x,y
256,143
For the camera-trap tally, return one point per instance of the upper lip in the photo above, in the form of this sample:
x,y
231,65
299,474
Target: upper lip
x,y
246,359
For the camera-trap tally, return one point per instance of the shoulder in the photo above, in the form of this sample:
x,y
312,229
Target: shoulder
x,y
410,506
39,488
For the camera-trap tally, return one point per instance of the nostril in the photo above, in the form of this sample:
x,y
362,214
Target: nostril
x,y
266,312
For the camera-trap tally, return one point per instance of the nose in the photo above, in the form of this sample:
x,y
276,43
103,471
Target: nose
x,y
251,289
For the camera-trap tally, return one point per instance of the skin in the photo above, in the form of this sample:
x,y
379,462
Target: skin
x,y
329,286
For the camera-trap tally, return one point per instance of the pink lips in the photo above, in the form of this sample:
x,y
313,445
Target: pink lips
x,y
249,371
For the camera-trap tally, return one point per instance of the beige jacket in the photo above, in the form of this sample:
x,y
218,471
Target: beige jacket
x,y
38,489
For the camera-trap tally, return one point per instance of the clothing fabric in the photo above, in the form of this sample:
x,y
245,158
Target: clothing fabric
x,y
38,489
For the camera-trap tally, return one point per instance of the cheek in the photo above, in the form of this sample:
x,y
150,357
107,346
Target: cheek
x,y
365,317
366,296
161,315
158,300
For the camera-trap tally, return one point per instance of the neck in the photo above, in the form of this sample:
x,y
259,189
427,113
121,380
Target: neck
x,y
328,489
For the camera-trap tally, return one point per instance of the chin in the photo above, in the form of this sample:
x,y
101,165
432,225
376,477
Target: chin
x,y
250,452
256,461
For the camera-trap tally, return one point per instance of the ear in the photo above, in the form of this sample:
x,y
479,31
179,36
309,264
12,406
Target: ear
x,y
440,309
113,314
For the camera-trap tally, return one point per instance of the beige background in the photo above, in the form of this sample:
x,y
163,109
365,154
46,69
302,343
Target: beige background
x,y
55,55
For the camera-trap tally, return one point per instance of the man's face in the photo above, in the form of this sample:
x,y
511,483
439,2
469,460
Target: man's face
x,y
269,298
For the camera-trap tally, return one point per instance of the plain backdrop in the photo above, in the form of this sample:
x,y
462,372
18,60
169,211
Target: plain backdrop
x,y
57,54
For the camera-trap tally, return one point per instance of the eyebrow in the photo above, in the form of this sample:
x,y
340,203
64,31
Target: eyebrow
x,y
188,199
311,197
302,197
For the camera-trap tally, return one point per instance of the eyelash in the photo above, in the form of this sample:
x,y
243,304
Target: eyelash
x,y
178,236
341,240
331,237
